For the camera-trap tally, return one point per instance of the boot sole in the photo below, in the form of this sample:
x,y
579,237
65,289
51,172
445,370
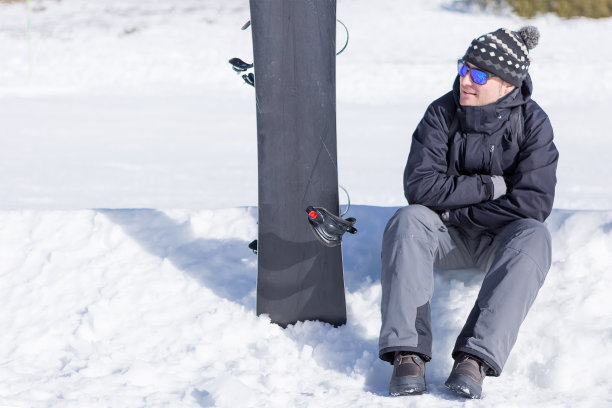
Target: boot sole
x,y
464,386
408,386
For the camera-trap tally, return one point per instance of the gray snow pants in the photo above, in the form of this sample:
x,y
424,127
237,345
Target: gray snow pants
x,y
515,259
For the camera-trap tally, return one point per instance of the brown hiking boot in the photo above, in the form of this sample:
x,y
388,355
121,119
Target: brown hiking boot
x,y
467,376
408,375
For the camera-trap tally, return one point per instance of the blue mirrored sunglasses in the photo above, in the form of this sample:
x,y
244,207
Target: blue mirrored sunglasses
x,y
478,76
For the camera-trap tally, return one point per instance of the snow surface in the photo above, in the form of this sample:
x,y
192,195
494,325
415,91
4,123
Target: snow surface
x,y
128,181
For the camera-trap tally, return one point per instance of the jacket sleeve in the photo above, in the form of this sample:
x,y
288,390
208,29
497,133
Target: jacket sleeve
x,y
426,181
531,187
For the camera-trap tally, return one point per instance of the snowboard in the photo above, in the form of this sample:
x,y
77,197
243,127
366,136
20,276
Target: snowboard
x,y
298,278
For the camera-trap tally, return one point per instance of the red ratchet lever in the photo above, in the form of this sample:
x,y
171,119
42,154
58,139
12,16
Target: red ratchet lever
x,y
327,227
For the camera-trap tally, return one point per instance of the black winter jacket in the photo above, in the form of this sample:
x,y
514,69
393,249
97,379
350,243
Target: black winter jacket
x,y
452,172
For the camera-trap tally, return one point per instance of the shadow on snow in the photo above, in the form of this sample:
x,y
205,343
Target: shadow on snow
x,y
219,265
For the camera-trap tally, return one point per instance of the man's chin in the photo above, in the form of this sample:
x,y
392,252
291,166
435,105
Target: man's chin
x,y
468,100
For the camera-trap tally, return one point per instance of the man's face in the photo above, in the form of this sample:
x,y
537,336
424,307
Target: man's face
x,y
472,94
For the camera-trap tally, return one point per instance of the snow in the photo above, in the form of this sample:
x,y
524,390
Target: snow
x,y
128,179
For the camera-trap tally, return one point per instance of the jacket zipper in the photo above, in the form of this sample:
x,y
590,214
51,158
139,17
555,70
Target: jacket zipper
x,y
491,150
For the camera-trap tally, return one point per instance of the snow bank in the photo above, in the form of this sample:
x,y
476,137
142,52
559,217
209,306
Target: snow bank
x,y
156,308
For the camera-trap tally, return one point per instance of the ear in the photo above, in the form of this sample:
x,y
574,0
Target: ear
x,y
507,88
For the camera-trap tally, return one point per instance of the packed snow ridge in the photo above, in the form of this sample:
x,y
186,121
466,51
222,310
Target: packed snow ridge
x,y
156,308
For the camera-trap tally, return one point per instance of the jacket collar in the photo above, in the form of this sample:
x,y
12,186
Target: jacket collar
x,y
490,118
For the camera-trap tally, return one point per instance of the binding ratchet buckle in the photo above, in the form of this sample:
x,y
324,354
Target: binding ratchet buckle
x,y
240,67
327,227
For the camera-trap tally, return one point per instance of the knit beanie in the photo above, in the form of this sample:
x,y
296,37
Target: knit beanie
x,y
504,53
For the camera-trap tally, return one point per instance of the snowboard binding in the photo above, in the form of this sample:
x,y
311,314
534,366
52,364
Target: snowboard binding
x,y
240,67
327,227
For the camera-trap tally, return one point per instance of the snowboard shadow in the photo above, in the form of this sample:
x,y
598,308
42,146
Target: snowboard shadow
x,y
218,264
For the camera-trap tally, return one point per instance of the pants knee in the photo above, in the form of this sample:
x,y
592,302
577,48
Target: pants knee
x,y
530,237
411,220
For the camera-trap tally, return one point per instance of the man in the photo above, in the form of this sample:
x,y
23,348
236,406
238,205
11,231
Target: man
x,y
480,181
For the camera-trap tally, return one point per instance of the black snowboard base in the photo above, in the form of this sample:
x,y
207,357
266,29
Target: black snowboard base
x,y
298,278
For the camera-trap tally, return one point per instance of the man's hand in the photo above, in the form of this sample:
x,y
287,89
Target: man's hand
x,y
445,216
499,186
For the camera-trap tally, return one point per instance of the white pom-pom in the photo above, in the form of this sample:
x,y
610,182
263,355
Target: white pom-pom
x,y
530,36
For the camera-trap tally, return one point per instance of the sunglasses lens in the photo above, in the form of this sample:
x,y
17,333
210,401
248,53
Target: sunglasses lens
x,y
461,69
478,76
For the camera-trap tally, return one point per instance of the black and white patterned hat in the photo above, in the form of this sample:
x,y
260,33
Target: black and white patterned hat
x,y
504,53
